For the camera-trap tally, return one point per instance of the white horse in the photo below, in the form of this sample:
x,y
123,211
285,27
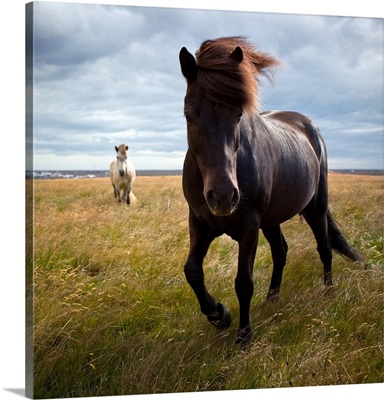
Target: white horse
x,y
122,174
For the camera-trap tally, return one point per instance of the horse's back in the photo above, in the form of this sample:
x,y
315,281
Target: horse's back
x,y
302,124
297,160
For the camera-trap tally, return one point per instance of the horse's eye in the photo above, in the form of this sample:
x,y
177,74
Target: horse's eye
x,y
239,116
188,117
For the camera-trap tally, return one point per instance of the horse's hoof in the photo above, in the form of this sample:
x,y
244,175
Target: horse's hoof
x,y
328,279
273,295
244,337
221,318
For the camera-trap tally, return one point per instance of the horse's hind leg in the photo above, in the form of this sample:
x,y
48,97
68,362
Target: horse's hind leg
x,y
128,198
200,240
124,196
279,250
316,218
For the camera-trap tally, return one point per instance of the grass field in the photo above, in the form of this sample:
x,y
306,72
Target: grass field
x,y
113,313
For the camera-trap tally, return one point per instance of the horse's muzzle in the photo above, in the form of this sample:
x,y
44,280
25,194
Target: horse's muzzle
x,y
223,202
121,172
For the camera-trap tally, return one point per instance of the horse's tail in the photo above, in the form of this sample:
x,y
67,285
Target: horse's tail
x,y
132,198
338,241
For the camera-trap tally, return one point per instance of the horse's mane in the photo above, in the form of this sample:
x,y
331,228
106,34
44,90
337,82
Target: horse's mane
x,y
227,81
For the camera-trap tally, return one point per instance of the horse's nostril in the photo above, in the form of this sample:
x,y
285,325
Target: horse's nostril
x,y
235,197
211,197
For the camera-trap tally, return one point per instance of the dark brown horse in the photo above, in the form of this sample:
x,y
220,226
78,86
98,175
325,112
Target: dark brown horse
x,y
247,170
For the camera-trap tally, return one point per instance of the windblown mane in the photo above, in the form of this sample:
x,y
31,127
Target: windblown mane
x,y
227,81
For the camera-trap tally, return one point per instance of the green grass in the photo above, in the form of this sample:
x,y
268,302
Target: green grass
x,y
114,315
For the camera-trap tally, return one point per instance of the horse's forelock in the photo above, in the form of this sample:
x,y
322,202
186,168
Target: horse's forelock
x,y
227,81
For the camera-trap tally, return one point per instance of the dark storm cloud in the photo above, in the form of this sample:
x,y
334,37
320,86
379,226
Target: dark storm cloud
x,y
110,74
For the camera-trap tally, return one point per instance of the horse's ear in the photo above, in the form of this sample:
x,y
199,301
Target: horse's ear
x,y
188,65
237,54
116,148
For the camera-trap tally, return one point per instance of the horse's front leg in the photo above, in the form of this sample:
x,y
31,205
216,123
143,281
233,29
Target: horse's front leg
x,y
200,239
117,192
124,197
114,190
244,281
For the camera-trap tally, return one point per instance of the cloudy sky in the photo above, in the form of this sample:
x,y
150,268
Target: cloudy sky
x,y
105,75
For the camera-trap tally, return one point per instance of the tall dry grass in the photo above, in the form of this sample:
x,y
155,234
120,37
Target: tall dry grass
x,y
114,315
